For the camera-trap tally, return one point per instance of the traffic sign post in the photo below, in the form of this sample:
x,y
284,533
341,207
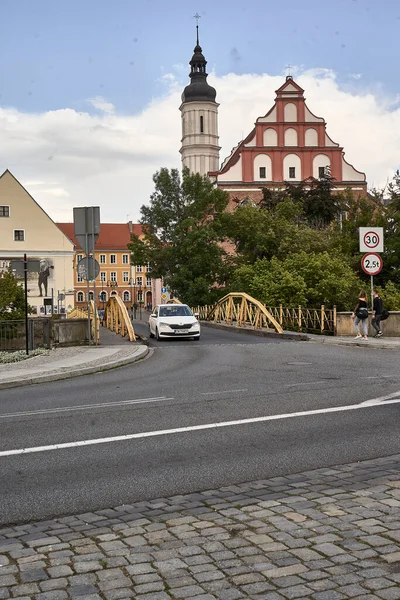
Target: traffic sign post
x,y
371,242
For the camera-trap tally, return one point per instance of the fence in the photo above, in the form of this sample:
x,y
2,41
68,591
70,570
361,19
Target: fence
x,y
313,320
12,334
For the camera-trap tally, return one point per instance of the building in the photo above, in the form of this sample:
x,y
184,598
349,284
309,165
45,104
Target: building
x,y
199,112
288,144
25,228
117,275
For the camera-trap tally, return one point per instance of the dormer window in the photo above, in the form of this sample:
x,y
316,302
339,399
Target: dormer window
x,y
201,124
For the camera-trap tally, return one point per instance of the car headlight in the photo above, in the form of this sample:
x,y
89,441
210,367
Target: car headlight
x,y
164,324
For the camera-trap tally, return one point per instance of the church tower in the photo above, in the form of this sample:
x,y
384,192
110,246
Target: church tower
x,y
199,111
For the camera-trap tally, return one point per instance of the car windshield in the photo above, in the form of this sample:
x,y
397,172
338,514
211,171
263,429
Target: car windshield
x,y
175,310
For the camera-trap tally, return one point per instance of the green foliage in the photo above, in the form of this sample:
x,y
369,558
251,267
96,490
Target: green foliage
x,y
12,302
390,296
300,279
12,357
183,231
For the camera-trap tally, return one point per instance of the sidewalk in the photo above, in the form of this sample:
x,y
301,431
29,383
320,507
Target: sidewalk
x,y
329,534
63,363
392,343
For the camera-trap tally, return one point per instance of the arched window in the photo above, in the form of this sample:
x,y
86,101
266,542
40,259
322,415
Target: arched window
x,y
270,137
201,124
80,297
290,112
321,166
290,137
311,137
262,167
103,296
292,168
91,296
126,296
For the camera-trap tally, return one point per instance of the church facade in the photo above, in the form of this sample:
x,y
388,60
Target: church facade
x,y
288,145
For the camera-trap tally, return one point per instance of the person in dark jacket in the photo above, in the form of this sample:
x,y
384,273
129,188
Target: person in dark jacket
x,y
377,309
361,309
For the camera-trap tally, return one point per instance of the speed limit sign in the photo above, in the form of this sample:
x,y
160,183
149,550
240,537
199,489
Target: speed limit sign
x,y
371,263
371,239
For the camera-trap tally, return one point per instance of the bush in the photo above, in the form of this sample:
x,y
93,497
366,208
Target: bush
x,y
12,357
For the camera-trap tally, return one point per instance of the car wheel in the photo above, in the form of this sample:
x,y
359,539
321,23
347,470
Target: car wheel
x,y
158,338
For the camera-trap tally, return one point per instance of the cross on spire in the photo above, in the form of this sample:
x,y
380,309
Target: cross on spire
x,y
289,69
197,17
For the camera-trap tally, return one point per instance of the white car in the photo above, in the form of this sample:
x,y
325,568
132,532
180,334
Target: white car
x,y
173,321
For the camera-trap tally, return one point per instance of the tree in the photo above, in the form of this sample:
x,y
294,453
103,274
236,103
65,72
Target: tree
x,y
183,235
12,299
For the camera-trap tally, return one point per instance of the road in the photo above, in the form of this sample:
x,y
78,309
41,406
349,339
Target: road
x,y
149,430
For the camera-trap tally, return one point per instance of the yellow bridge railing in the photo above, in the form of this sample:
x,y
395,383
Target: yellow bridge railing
x,y
242,309
81,313
116,318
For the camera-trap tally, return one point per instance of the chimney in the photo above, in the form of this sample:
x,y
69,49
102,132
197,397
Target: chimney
x,y
130,226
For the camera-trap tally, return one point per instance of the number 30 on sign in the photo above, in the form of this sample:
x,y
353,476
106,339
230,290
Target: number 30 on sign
x,y
371,263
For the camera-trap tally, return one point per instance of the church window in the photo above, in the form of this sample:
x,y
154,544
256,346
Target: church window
x,y
263,173
292,172
201,124
321,172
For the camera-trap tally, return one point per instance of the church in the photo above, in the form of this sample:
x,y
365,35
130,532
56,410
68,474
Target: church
x,y
287,145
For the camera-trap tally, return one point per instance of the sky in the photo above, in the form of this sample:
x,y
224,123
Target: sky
x,y
90,89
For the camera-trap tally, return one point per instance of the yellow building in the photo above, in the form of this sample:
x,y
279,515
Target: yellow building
x,y
25,228
117,275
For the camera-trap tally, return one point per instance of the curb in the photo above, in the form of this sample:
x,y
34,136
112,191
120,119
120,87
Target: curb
x,y
286,335
142,352
352,343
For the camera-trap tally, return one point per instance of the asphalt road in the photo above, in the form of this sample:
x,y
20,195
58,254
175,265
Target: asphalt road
x,y
193,416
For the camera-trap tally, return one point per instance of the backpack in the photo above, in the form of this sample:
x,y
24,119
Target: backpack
x,y
362,313
385,314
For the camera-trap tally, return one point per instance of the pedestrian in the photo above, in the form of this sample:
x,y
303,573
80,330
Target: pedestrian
x,y
360,315
377,310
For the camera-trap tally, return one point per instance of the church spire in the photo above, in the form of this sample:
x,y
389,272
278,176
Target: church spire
x,y
198,90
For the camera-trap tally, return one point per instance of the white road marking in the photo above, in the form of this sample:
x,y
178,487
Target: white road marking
x,y
384,400
61,409
305,383
223,392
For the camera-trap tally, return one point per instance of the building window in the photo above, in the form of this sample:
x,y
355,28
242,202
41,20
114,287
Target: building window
x,y
79,279
102,259
78,257
139,280
321,172
113,276
126,296
292,172
91,296
4,211
125,276
125,259
201,124
103,276
80,297
148,281
139,269
263,173
19,235
140,296
113,259
103,296
148,268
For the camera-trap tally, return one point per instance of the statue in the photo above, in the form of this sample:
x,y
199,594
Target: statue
x,y
43,276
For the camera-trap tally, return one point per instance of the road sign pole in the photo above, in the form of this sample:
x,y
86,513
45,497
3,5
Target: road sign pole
x,y
26,305
94,284
372,289
88,289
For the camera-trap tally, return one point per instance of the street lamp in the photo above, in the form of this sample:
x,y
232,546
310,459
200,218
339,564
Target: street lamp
x,y
140,301
132,284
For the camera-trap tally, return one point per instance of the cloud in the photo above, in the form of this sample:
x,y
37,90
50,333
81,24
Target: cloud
x,y
67,158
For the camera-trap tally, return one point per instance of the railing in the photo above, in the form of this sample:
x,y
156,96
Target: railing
x,y
116,318
312,320
81,313
12,334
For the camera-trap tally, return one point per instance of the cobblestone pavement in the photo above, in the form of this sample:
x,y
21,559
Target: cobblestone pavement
x,y
329,534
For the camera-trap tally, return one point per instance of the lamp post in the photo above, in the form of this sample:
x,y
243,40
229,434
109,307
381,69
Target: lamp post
x,y
140,301
132,284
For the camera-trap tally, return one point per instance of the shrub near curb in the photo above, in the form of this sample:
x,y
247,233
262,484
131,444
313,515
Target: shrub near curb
x,y
12,357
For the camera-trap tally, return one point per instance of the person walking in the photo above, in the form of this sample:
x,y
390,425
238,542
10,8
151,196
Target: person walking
x,y
377,310
360,315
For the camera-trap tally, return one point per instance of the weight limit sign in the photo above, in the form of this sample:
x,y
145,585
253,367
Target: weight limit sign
x,y
371,263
